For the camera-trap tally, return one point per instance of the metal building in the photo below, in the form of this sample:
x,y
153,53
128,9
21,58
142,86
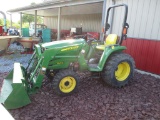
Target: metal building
x,y
143,18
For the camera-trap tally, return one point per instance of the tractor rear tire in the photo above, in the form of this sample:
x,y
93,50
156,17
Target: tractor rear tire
x,y
65,82
119,69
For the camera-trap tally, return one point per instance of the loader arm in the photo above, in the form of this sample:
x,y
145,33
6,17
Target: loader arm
x,y
38,71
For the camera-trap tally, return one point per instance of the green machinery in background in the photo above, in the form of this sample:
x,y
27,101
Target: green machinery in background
x,y
46,35
60,61
25,32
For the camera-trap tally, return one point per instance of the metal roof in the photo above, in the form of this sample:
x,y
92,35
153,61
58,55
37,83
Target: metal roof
x,y
69,7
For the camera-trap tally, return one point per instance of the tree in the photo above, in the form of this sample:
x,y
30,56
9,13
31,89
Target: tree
x,y
1,22
8,23
30,18
16,25
39,19
27,18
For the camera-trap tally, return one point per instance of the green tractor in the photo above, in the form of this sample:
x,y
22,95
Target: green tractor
x,y
60,61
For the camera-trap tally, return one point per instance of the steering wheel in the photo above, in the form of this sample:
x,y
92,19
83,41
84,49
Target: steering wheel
x,y
90,40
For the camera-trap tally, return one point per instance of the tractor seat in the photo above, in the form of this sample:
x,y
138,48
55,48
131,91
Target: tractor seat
x,y
110,40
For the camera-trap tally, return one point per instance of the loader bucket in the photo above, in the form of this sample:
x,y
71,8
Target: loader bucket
x,y
13,92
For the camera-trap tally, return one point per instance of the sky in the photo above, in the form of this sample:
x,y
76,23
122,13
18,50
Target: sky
x,y
11,4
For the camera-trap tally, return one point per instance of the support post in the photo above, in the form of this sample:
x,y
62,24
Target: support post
x,y
59,24
111,19
104,13
35,21
11,19
21,24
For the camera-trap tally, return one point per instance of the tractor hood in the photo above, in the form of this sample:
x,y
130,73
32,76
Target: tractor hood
x,y
63,43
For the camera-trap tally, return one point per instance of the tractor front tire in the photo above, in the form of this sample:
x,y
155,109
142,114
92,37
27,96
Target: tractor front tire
x,y
119,69
65,82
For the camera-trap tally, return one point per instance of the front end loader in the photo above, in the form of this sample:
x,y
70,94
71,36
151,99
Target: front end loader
x,y
60,61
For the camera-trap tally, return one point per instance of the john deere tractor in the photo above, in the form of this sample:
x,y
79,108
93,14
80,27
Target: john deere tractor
x,y
60,61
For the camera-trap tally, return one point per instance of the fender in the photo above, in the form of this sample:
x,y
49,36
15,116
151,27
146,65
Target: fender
x,y
107,52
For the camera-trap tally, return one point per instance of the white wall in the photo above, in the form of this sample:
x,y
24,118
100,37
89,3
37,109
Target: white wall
x,y
143,18
89,23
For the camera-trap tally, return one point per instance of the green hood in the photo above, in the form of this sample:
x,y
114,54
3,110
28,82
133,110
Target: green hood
x,y
63,43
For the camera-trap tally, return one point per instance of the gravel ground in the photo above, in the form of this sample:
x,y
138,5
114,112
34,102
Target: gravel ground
x,y
7,61
140,99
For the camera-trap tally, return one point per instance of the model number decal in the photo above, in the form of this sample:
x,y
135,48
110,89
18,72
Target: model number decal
x,y
70,48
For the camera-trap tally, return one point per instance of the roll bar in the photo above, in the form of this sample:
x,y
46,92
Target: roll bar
x,y
125,25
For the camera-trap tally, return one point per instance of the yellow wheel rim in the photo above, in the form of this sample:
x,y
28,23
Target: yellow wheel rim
x,y
122,71
67,84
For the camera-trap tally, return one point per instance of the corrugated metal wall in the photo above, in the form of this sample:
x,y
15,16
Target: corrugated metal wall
x,y
143,18
89,23
145,53
51,22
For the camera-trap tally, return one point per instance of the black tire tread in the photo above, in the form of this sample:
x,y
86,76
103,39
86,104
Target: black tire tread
x,y
108,70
